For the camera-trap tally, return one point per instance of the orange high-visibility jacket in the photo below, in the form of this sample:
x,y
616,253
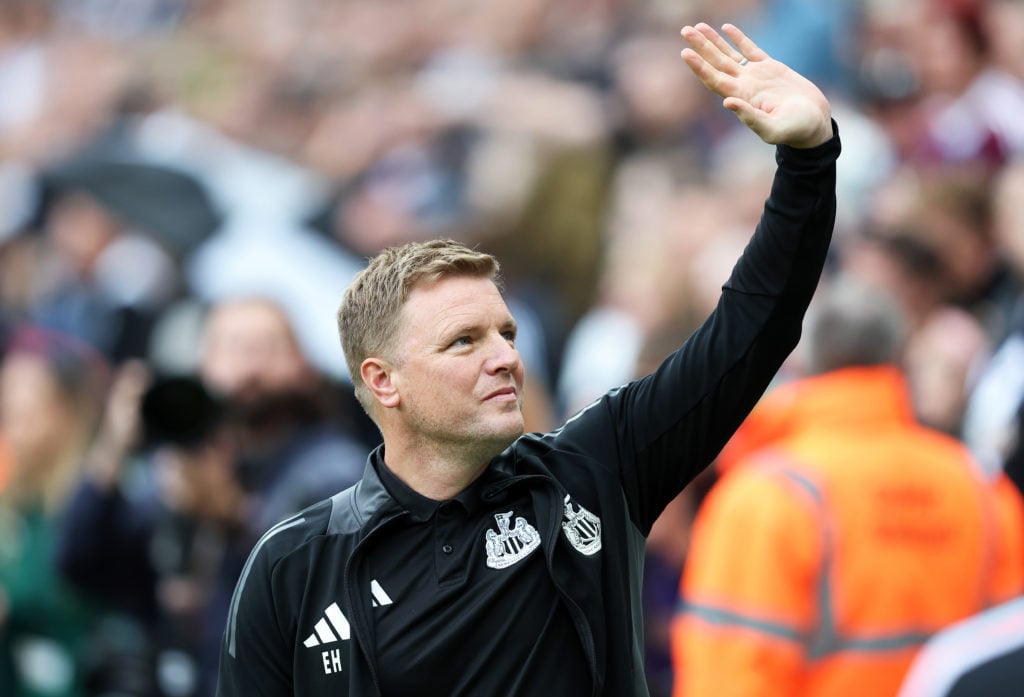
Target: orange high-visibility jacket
x,y
844,536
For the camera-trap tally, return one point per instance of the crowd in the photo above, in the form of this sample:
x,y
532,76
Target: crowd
x,y
187,187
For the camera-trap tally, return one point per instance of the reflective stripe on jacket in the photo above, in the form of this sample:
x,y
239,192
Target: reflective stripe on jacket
x,y
823,560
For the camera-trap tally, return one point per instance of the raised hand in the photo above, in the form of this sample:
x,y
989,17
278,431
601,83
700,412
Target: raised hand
x,y
773,100
121,424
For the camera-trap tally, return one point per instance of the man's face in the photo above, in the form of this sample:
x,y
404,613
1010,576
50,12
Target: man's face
x,y
457,371
201,481
249,352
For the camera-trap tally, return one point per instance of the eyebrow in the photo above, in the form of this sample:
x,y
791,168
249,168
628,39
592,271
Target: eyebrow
x,y
470,328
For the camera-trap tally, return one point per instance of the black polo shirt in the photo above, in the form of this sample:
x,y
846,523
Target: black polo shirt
x,y
476,599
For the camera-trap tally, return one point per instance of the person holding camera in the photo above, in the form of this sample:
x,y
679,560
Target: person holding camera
x,y
156,532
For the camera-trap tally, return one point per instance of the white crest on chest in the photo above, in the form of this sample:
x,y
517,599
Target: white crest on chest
x,y
508,545
582,528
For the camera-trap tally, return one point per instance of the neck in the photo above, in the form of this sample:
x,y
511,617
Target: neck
x,y
434,470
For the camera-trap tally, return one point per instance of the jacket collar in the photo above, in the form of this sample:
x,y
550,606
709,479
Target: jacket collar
x,y
380,494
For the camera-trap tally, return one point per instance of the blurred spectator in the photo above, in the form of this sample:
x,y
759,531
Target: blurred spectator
x,y
930,242
953,212
299,439
117,19
22,64
670,248
258,438
114,232
842,534
158,542
1004,23
941,360
906,266
657,113
994,422
981,656
967,100
51,389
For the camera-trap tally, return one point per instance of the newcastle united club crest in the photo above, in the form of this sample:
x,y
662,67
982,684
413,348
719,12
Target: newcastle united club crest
x,y
582,528
510,544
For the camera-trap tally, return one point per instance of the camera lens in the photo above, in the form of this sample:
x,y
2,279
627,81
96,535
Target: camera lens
x,y
180,411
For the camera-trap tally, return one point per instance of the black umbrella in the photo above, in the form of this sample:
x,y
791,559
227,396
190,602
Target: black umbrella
x,y
165,202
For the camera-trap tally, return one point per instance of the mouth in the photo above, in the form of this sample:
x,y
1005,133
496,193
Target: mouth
x,y
505,394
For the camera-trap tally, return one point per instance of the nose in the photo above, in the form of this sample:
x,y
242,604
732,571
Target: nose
x,y
504,356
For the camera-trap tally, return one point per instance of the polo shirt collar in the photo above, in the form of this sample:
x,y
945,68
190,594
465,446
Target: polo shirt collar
x,y
423,508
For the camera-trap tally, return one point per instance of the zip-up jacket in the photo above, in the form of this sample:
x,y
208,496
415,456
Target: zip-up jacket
x,y
596,484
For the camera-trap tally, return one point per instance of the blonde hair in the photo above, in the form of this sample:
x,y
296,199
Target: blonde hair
x,y
370,309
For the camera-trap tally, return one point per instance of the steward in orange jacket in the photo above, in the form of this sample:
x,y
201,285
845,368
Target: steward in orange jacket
x,y
841,537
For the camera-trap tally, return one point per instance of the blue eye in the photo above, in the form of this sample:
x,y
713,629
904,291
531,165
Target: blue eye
x,y
510,336
462,341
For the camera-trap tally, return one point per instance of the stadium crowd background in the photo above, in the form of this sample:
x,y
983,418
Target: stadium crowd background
x,y
186,188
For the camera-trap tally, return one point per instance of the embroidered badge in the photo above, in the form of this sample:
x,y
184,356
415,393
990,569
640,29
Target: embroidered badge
x,y
510,545
582,528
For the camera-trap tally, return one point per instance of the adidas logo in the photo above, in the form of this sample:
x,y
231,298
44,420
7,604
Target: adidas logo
x,y
334,626
322,634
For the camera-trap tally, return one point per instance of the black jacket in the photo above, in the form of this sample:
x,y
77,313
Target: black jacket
x,y
622,459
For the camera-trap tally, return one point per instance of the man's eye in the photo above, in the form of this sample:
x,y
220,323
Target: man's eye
x,y
510,336
462,341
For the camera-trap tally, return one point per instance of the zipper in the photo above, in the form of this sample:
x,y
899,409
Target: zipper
x,y
555,512
359,627
579,618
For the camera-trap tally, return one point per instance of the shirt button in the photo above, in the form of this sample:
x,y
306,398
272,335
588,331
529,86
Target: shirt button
x,y
447,549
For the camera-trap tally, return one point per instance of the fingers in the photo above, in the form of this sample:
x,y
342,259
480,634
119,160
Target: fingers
x,y
708,75
753,118
711,58
745,112
719,42
745,44
712,48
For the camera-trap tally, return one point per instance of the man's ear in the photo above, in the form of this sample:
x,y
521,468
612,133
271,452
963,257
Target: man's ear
x,y
376,374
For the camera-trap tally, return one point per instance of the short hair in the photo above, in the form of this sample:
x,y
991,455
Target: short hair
x,y
851,323
370,309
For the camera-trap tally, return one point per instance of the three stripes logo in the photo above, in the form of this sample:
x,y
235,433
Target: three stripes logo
x,y
322,632
333,627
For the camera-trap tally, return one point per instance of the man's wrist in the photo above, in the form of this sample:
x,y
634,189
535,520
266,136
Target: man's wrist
x,y
811,159
822,135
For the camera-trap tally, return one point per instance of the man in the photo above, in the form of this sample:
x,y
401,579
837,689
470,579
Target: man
x,y
293,451
474,560
843,532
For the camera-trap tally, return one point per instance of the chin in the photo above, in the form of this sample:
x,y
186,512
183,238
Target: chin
x,y
504,437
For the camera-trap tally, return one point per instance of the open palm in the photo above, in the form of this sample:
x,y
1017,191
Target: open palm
x,y
773,100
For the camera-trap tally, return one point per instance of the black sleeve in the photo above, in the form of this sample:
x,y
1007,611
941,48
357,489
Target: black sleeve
x,y
660,431
256,653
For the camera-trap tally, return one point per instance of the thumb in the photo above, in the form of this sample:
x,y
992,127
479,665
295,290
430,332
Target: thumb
x,y
746,113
